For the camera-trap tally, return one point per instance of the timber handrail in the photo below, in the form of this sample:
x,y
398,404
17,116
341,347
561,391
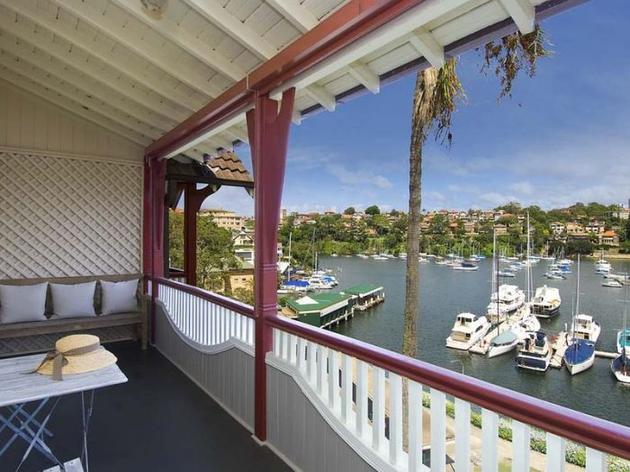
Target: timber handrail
x,y
590,431
234,305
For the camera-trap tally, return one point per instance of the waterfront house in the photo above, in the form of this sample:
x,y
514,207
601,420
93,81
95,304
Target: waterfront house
x,y
366,295
110,113
609,238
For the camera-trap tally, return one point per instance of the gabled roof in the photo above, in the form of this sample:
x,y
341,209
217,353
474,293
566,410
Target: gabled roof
x,y
227,166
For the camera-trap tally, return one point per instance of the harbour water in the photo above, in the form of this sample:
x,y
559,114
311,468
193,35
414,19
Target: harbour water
x,y
445,292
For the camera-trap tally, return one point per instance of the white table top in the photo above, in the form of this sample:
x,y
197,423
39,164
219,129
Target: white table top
x,y
19,385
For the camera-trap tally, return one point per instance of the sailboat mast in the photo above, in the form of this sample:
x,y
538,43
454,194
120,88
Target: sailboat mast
x,y
289,268
529,271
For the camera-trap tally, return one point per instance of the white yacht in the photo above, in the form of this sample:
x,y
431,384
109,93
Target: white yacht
x,y
467,331
612,283
502,304
602,266
546,302
512,336
534,352
585,328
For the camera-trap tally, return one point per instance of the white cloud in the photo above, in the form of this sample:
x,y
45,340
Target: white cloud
x,y
524,188
357,177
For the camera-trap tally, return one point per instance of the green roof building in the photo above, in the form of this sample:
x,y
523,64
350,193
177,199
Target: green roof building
x,y
323,309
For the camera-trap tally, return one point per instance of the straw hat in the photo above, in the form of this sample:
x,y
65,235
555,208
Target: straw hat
x,y
76,354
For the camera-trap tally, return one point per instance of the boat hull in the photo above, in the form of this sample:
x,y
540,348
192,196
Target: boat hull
x,y
539,364
579,356
617,369
546,313
495,351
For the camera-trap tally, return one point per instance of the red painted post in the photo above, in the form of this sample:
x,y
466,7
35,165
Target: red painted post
x,y
268,130
153,225
193,199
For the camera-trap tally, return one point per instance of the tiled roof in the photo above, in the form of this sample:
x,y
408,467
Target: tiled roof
x,y
228,166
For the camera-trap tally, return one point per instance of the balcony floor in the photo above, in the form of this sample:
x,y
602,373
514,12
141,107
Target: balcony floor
x,y
158,421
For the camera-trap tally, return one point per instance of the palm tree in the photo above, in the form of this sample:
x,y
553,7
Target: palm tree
x,y
436,95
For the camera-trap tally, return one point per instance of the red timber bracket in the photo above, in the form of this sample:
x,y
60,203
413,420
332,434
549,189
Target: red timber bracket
x,y
193,198
268,130
152,227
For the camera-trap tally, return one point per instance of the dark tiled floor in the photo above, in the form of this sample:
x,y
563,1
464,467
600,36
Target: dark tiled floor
x,y
158,421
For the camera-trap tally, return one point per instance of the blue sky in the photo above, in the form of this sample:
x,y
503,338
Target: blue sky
x,y
563,137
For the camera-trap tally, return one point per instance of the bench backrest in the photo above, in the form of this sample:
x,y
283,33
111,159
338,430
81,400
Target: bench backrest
x,y
75,280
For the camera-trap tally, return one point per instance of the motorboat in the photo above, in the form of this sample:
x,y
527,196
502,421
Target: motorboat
x,y
585,328
534,352
506,273
466,266
620,367
504,342
623,340
579,356
612,283
554,275
468,330
602,266
546,302
502,304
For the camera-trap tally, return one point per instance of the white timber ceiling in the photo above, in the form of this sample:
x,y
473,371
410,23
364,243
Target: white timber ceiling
x,y
139,74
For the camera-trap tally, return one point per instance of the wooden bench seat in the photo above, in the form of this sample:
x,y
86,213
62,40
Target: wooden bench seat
x,y
39,336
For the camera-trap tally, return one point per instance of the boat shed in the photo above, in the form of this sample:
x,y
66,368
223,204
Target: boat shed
x,y
323,309
367,295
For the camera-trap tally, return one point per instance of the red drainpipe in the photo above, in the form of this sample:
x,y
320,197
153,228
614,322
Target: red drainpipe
x,y
268,129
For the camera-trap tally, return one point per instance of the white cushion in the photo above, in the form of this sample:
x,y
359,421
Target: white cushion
x,y
73,301
20,303
119,297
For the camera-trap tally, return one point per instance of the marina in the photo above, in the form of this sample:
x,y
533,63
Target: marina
x,y
444,293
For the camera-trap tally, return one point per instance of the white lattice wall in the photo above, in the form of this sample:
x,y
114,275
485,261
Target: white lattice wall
x,y
63,216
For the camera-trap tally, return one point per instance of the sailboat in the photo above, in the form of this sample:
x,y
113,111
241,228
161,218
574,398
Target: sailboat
x,y
580,354
620,366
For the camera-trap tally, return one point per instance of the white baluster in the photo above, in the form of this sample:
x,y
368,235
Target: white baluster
x,y
322,371
438,431
285,346
556,450
333,379
462,435
596,461
415,426
362,398
378,409
293,349
276,343
395,418
489,440
520,446
346,388
301,361
311,362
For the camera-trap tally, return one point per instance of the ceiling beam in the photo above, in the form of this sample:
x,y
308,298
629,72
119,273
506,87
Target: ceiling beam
x,y
364,75
425,44
221,18
76,78
297,14
106,76
100,20
321,96
100,51
23,67
172,31
522,12
62,101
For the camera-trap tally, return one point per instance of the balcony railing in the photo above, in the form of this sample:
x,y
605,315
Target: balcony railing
x,y
373,398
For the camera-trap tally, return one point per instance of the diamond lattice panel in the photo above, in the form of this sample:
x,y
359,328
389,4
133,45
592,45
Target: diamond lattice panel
x,y
67,217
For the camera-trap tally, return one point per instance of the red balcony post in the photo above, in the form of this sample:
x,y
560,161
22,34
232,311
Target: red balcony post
x,y
268,130
153,225
193,199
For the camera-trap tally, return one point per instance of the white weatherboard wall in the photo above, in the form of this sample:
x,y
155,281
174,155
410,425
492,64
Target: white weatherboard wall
x,y
70,193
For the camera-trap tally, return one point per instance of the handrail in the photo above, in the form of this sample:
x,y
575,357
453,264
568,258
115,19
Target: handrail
x,y
234,305
590,431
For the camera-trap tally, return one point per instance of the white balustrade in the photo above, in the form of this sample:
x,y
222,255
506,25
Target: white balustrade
x,y
203,321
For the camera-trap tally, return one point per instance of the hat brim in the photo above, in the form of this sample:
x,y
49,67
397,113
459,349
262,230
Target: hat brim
x,y
90,362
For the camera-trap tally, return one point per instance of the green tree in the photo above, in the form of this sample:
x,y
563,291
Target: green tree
x,y
349,211
373,210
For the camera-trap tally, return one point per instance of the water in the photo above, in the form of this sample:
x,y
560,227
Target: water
x,y
445,292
